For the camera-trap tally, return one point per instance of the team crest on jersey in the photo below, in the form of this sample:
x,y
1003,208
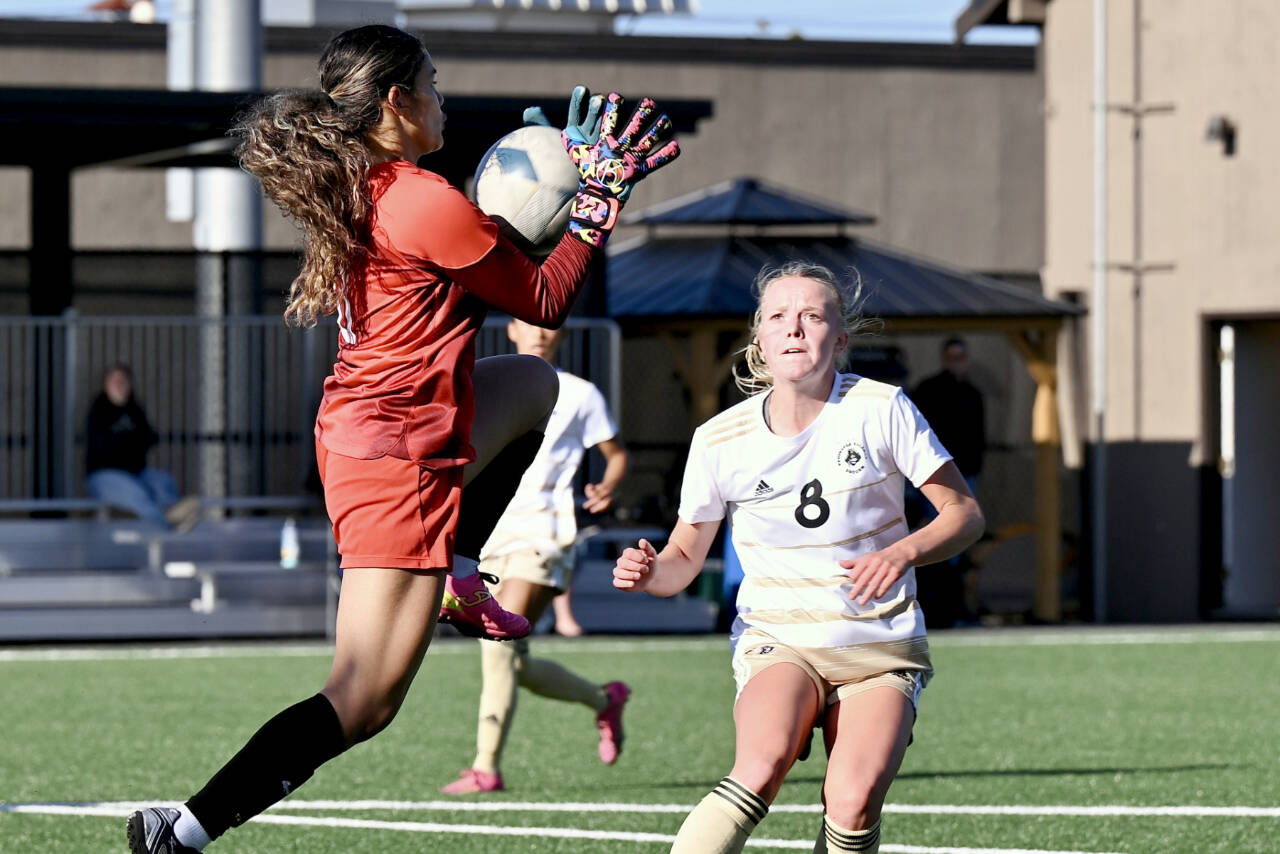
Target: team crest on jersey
x,y
852,458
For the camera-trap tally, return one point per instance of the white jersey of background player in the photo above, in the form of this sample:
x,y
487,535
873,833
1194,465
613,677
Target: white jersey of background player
x,y
828,631
531,553
541,514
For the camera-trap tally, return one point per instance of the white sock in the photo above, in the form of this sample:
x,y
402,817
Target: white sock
x,y
189,831
464,567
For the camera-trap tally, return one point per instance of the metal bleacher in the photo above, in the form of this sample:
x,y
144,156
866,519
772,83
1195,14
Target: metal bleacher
x,y
94,579
239,436
601,609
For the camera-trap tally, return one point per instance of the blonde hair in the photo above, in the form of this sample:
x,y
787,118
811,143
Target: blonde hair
x,y
848,301
308,149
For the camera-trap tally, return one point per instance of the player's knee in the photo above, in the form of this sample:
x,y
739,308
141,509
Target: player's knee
x,y
853,801
541,383
538,383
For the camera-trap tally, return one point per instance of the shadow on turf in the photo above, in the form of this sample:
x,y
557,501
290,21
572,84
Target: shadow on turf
x,y
1060,772
932,775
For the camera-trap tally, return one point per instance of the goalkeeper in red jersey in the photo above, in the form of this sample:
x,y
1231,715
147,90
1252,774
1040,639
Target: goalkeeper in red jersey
x,y
419,445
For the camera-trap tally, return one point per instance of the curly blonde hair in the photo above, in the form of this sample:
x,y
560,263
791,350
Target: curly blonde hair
x,y
848,300
308,148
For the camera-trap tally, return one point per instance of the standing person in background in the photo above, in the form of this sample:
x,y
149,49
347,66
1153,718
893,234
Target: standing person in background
x,y
419,446
953,406
531,551
118,438
810,472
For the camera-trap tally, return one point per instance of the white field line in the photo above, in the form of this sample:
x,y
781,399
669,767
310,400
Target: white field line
x,y
121,810
1207,634
124,807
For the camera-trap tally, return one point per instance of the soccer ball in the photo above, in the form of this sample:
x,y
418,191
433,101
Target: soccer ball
x,y
527,179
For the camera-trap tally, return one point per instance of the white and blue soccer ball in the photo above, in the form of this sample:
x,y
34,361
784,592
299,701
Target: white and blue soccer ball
x,y
527,179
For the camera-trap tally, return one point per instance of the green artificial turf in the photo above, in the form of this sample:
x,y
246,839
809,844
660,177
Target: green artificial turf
x,y
1163,722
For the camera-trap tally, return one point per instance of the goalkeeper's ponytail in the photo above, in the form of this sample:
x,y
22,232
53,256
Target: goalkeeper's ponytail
x,y
308,148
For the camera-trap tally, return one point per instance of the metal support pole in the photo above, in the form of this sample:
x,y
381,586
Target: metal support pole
x,y
228,218
1099,310
70,395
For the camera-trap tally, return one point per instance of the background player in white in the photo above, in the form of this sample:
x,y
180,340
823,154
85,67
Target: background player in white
x,y
810,474
531,552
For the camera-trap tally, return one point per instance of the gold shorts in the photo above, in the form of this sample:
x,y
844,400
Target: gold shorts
x,y
840,672
552,570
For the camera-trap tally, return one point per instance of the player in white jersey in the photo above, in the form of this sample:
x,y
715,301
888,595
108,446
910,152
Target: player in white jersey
x,y
810,474
530,551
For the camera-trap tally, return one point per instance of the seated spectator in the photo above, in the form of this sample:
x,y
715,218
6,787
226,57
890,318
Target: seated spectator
x,y
118,438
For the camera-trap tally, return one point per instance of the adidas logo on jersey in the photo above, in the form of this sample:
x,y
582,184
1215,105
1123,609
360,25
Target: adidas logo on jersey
x,y
763,488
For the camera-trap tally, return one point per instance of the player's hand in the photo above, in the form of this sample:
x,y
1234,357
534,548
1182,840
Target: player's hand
x,y
583,126
599,498
873,574
634,569
610,167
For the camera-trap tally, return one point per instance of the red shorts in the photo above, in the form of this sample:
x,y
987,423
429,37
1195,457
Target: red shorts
x,y
390,513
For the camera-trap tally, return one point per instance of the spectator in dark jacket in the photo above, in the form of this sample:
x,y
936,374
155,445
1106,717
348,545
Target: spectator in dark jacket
x,y
953,407
119,437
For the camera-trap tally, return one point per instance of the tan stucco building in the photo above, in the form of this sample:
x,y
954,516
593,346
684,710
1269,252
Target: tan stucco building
x,y
1192,311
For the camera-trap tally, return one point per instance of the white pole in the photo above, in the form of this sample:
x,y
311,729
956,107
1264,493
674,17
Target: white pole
x,y
228,59
1099,309
1227,440
180,182
228,219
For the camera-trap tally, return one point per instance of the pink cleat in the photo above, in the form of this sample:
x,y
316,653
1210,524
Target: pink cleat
x,y
470,608
609,722
473,781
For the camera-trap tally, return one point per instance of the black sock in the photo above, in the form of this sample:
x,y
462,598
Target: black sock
x,y
486,498
280,757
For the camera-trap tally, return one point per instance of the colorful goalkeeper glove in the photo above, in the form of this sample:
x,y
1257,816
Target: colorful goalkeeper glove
x,y
612,165
583,125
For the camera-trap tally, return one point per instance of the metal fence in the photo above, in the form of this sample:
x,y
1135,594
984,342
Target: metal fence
x,y
233,399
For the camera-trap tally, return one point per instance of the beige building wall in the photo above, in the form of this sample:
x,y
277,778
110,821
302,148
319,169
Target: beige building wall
x,y
1209,215
948,157
1207,218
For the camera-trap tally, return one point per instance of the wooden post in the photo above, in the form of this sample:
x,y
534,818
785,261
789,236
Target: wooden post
x,y
1040,355
701,368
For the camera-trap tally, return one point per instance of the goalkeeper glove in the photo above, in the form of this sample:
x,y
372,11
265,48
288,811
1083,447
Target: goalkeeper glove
x,y
612,165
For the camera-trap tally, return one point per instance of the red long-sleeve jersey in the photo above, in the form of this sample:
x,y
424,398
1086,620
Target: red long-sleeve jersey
x,y
401,386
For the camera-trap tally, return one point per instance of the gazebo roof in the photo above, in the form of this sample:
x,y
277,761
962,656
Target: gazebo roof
x,y
746,201
712,276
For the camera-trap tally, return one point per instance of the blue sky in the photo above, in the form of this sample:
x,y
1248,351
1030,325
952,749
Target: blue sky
x,y
873,20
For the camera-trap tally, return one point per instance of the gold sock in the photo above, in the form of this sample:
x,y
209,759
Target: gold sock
x,y
498,664
722,821
833,839
547,678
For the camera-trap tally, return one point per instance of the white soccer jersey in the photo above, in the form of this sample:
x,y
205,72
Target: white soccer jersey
x,y
798,504
540,515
